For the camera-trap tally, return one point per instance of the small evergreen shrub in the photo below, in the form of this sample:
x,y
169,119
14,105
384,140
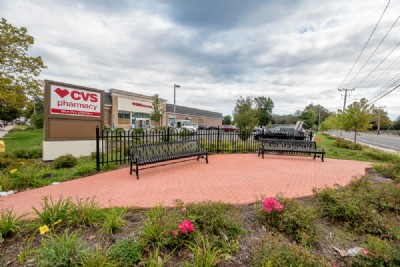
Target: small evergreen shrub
x,y
65,250
391,170
377,252
340,142
33,153
290,217
66,161
126,252
9,223
277,252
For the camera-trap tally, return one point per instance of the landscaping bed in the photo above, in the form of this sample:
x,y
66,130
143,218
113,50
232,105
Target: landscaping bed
x,y
274,231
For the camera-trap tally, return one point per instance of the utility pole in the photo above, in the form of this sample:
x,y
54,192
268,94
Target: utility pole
x,y
345,95
379,119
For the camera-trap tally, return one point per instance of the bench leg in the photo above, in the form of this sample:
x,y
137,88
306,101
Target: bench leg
x,y
322,157
262,153
198,157
207,158
137,171
315,155
130,172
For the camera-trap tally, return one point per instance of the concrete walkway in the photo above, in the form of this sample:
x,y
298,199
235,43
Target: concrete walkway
x,y
233,178
4,130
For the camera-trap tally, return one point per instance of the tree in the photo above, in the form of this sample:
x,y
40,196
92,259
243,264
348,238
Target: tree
x,y
357,117
380,118
264,109
35,112
396,123
308,117
157,113
331,123
18,71
245,116
319,110
227,120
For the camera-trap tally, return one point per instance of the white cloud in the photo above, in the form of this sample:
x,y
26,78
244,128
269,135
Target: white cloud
x,y
296,52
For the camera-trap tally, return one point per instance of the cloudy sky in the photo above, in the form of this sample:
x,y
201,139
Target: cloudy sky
x,y
295,52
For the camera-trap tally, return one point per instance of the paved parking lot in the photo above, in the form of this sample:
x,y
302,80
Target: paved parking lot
x,y
230,178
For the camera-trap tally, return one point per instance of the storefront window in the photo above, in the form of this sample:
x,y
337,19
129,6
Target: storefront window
x,y
123,117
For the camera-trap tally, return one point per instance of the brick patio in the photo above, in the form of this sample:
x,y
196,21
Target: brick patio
x,y
232,178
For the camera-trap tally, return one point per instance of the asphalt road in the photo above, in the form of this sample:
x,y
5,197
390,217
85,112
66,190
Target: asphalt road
x,y
384,141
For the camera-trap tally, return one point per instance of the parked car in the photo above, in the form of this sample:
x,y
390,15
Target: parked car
x,y
228,128
202,127
212,127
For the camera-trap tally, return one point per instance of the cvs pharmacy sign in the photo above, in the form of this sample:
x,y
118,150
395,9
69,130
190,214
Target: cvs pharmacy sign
x,y
72,101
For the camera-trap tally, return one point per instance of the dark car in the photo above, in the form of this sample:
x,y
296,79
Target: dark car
x,y
228,128
202,127
212,127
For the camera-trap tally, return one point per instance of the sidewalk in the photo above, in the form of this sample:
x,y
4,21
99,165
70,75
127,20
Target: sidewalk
x,y
4,131
229,178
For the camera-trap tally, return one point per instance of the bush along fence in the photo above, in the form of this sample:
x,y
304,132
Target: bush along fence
x,y
112,145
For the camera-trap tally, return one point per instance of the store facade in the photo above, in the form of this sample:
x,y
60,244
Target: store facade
x,y
130,110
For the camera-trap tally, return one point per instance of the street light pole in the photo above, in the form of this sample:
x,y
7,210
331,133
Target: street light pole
x,y
175,86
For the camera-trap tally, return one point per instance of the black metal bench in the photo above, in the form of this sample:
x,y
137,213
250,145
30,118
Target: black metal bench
x,y
143,154
284,146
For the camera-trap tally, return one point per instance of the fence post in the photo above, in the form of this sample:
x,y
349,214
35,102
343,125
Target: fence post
x,y
97,148
168,129
218,140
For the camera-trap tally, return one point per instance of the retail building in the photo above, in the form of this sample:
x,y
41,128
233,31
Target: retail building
x,y
130,110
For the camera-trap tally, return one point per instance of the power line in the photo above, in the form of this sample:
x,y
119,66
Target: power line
x,y
388,92
366,43
377,66
373,53
386,87
383,76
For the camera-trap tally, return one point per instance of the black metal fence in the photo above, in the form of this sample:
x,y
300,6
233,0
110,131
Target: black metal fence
x,y
112,145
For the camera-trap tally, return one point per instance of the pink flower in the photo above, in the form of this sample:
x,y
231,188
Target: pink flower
x,y
270,204
366,251
186,227
385,166
183,210
175,233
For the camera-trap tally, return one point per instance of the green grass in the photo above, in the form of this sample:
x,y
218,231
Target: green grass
x,y
366,154
23,139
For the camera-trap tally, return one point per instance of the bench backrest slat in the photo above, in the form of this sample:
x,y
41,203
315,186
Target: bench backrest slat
x,y
163,148
288,144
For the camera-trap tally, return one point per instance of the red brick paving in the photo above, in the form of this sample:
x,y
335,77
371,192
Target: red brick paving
x,y
234,178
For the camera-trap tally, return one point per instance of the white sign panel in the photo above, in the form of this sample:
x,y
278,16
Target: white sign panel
x,y
72,101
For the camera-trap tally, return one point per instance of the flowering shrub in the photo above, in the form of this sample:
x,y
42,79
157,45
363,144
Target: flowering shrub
x,y
186,227
291,217
391,171
271,204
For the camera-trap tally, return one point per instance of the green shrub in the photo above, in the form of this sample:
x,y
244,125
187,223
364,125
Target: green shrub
x,y
212,219
30,176
357,206
379,155
295,219
378,253
33,153
88,212
63,209
9,223
98,258
113,219
85,168
204,253
66,161
6,162
65,250
340,142
277,252
126,252
391,170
